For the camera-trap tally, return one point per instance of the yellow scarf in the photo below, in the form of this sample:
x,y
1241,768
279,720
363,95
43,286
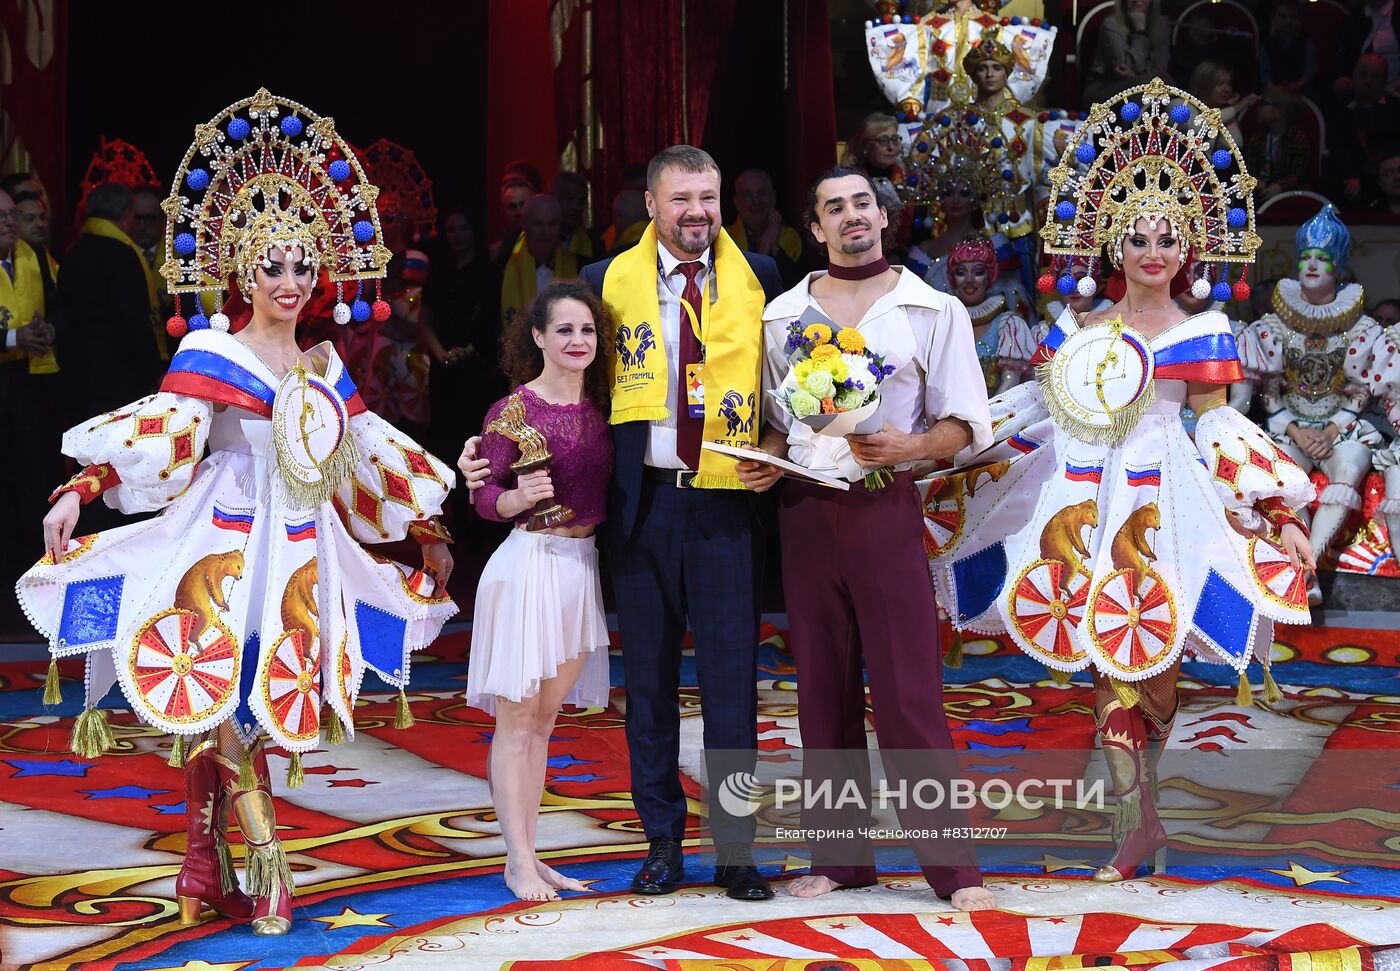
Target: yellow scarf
x,y
731,330
580,244
788,240
110,230
612,240
518,284
20,301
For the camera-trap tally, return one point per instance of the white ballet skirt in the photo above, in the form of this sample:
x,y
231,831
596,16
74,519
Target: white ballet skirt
x,y
539,604
235,604
1049,539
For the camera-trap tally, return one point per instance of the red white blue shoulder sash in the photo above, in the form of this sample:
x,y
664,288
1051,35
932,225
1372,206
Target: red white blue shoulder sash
x,y
213,366
1200,348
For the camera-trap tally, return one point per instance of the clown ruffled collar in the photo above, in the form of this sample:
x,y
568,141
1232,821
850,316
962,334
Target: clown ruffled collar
x,y
1320,320
985,311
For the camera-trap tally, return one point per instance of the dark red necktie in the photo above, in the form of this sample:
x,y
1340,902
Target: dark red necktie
x,y
689,431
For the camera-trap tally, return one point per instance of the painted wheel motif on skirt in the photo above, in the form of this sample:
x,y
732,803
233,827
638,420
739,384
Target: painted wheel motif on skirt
x,y
292,685
943,516
1132,622
182,674
1276,576
1045,611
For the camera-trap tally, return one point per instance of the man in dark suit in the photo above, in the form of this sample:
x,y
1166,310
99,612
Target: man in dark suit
x,y
683,539
111,352
683,555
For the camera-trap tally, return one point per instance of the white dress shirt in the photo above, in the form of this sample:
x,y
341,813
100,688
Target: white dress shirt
x,y
670,284
544,274
925,334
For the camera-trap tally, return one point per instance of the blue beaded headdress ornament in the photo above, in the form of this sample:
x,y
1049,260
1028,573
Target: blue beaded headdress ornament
x,y
1326,232
1151,152
267,172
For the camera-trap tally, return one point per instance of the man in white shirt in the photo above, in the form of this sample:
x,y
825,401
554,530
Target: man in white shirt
x,y
855,576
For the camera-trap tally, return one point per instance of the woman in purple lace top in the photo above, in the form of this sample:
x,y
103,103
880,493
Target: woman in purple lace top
x,y
539,639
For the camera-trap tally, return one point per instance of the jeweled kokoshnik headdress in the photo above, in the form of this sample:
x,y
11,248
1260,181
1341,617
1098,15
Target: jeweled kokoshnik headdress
x,y
269,173
1155,152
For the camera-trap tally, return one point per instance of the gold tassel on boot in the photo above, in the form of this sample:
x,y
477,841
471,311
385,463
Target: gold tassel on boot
x,y
177,753
295,778
1244,695
953,657
1127,693
1060,677
335,731
246,778
403,717
1272,694
92,736
52,695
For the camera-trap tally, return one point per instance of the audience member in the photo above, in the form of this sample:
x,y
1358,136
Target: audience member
x,y
629,221
1372,27
1387,201
148,224
1387,312
459,329
1366,131
17,182
33,219
1287,55
1280,156
571,189
758,226
875,148
1214,83
538,257
515,192
109,301
29,316
1132,50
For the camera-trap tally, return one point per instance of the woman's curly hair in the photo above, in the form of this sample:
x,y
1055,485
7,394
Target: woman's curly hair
x,y
522,360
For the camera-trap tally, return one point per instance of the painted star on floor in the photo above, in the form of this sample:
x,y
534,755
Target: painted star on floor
x,y
1302,876
351,918
30,767
124,792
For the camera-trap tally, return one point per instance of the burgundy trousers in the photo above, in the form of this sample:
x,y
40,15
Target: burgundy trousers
x,y
857,588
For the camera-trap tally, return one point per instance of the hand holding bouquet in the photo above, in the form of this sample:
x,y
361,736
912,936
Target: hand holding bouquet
x,y
833,382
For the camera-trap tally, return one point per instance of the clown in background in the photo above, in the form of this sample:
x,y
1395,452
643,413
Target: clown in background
x,y
1005,342
1308,359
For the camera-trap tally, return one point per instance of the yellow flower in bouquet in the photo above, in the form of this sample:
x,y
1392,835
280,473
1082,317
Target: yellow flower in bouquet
x,y
801,369
838,369
818,334
825,352
850,340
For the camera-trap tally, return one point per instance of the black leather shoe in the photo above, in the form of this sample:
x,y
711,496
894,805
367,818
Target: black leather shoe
x,y
739,877
664,867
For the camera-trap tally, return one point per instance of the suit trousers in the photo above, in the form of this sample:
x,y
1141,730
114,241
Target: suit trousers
x,y
857,588
694,558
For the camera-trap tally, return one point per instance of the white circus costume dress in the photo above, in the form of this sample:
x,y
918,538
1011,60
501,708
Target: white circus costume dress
x,y
1006,342
239,601
1381,373
1095,533
1310,364
917,62
248,607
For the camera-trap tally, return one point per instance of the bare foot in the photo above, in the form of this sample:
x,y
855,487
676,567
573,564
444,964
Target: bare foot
x,y
556,879
811,886
527,884
974,898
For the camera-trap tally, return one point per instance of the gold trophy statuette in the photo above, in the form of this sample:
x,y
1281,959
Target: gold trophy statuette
x,y
534,455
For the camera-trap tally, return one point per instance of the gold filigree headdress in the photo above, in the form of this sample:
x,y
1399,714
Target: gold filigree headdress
x,y
267,173
957,147
1155,152
988,49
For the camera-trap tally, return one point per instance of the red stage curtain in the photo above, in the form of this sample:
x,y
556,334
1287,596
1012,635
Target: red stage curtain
x,y
811,116
33,97
520,84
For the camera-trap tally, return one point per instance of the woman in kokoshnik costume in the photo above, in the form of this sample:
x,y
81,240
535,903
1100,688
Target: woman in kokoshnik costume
x,y
1095,533
1005,342
248,604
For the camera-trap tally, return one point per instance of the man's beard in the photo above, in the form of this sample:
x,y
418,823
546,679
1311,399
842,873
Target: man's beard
x,y
857,246
677,237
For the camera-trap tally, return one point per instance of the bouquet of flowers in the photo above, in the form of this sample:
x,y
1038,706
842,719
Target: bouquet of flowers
x,y
833,382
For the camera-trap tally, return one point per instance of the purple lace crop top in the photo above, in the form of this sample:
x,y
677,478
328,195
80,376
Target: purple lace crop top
x,y
583,458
